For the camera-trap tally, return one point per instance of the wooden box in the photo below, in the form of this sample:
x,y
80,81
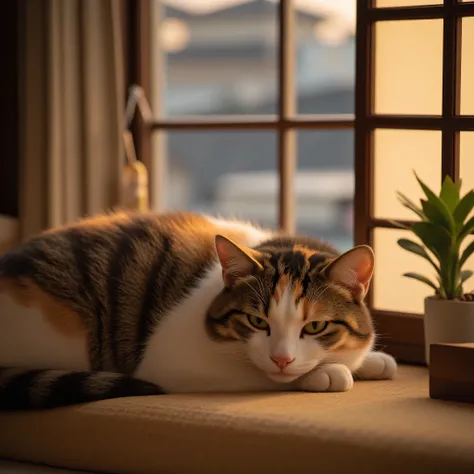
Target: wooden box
x,y
452,372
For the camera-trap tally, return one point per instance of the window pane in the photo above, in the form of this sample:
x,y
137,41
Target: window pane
x,y
325,56
469,265
219,172
397,154
406,3
467,67
393,291
219,58
467,161
467,176
325,186
408,72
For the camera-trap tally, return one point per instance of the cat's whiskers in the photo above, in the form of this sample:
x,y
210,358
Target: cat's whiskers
x,y
259,297
157,300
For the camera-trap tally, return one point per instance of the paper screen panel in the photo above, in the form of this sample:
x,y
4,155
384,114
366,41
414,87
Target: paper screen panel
x,y
466,165
398,153
469,265
393,291
408,72
467,67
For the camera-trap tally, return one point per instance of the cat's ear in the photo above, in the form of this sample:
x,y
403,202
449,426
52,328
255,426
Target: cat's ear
x,y
237,261
353,270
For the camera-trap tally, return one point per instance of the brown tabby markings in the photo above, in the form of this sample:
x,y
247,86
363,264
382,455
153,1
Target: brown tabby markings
x,y
280,288
98,221
111,277
294,262
305,250
310,308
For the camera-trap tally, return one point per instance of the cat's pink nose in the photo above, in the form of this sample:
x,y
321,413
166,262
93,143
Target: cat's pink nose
x,y
282,362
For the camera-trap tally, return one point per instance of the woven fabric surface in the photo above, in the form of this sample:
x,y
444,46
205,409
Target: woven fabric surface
x,y
377,427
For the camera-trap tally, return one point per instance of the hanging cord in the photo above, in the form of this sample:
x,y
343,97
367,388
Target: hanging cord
x,y
135,195
133,191
137,99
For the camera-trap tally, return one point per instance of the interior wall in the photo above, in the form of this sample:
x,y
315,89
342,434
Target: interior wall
x,y
9,98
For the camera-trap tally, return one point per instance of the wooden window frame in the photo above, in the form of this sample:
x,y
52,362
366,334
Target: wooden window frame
x,y
402,333
405,331
285,123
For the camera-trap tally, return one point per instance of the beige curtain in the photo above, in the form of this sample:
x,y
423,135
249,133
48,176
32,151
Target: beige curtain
x,y
72,108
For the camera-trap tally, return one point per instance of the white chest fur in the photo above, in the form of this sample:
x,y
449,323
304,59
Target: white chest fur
x,y
181,357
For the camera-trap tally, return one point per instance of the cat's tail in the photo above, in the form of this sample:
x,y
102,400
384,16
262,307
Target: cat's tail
x,y
26,389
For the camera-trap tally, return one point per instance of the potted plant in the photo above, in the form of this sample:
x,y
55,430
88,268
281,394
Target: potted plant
x,y
444,223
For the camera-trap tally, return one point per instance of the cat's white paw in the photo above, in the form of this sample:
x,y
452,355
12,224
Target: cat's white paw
x,y
328,378
377,366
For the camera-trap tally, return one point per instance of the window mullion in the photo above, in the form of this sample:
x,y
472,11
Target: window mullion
x,y
158,166
287,105
451,83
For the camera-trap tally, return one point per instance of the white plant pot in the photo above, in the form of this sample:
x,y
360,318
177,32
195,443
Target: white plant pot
x,y
447,321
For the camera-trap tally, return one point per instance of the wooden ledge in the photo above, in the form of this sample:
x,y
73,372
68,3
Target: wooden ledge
x,y
387,426
452,372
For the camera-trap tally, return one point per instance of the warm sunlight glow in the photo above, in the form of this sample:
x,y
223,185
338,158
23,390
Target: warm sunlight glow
x,y
397,154
467,67
343,8
332,31
406,3
202,6
467,161
408,71
173,35
393,291
469,265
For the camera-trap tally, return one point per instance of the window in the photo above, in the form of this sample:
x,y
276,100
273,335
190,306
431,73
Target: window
x,y
412,113
254,105
401,71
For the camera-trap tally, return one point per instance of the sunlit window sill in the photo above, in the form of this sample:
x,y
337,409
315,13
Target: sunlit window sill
x,y
378,427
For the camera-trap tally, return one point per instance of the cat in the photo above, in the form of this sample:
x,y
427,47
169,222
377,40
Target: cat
x,y
130,304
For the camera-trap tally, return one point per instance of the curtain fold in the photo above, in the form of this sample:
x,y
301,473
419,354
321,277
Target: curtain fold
x,y
72,109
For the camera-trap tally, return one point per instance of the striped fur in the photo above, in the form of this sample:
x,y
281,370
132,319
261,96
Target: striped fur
x,y
151,304
42,389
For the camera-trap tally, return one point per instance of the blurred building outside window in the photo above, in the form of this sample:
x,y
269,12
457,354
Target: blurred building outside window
x,y
220,59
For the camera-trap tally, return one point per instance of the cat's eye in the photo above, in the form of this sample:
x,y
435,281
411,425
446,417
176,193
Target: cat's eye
x,y
315,327
257,322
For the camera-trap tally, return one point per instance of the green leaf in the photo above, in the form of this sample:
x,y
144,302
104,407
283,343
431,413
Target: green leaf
x,y
466,254
465,274
423,279
416,249
439,204
464,208
435,237
434,214
466,229
449,194
410,205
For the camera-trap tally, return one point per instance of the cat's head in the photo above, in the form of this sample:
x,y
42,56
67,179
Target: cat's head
x,y
292,308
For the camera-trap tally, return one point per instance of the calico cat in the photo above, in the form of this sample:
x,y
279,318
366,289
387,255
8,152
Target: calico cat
x,y
140,304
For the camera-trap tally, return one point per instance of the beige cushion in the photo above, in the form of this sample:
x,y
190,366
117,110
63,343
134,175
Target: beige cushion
x,y
379,427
